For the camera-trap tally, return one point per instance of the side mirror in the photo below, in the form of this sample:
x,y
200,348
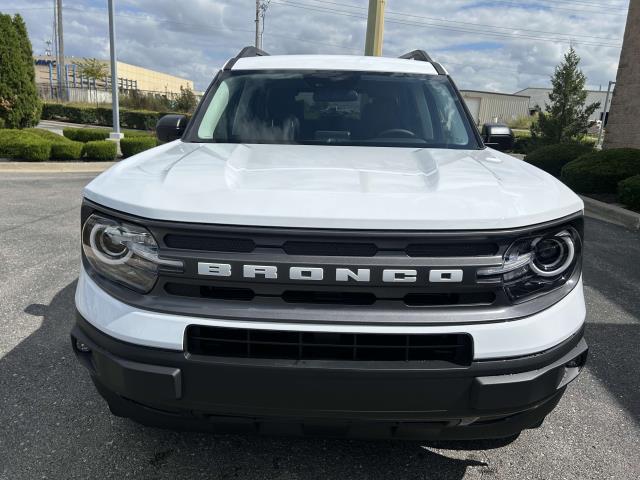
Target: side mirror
x,y
171,127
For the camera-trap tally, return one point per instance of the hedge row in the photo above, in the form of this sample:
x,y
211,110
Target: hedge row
x,y
551,158
24,145
629,192
133,145
601,171
100,150
135,119
36,145
86,134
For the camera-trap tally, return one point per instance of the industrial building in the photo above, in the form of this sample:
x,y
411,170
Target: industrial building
x,y
538,97
130,77
490,107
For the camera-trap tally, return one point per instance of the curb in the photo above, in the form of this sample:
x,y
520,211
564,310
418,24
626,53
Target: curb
x,y
611,213
55,167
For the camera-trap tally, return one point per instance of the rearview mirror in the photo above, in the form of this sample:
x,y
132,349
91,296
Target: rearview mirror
x,y
171,127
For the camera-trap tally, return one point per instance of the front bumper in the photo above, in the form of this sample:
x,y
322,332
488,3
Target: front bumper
x,y
489,399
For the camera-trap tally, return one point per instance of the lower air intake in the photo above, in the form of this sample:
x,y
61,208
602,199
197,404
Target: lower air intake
x,y
290,345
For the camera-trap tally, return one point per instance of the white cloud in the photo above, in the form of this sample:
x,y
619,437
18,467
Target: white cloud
x,y
193,38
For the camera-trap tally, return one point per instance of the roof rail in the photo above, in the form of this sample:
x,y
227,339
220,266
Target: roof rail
x,y
244,53
422,56
419,55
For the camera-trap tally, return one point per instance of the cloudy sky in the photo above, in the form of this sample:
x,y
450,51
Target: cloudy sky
x,y
496,45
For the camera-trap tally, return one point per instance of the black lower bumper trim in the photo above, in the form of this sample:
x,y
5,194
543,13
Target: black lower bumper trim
x,y
489,399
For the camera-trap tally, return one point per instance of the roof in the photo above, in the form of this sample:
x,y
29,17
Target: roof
x,y
484,92
548,89
334,62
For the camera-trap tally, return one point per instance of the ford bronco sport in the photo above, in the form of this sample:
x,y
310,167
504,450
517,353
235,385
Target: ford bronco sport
x,y
328,247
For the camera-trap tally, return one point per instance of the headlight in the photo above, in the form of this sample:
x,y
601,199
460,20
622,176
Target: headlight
x,y
123,252
537,264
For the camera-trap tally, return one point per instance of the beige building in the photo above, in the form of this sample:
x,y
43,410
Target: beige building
x,y
489,107
130,77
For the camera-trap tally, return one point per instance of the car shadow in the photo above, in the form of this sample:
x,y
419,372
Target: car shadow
x,y
612,274
54,425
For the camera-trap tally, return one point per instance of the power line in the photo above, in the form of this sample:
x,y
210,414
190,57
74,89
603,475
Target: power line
x,y
553,7
208,27
443,27
590,4
482,25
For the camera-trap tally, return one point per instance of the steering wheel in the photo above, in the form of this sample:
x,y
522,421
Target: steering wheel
x,y
397,132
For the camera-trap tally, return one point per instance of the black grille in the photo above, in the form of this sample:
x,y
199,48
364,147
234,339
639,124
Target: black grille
x,y
289,345
330,297
329,247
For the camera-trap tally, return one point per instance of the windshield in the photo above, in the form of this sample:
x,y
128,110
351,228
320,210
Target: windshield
x,y
340,108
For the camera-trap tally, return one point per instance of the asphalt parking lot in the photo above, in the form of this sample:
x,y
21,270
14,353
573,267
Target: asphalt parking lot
x,y
54,425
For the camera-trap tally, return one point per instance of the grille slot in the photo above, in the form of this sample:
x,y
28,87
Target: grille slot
x,y
288,345
471,249
443,299
329,297
207,243
331,249
208,291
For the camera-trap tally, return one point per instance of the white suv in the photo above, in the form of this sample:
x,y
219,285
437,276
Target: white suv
x,y
327,247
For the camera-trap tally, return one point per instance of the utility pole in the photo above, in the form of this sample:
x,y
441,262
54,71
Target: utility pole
x,y
375,28
60,71
115,135
258,36
261,12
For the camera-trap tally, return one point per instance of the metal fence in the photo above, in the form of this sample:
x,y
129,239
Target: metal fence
x,y
73,94
95,94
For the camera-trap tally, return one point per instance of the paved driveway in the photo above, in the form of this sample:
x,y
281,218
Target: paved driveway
x,y
54,425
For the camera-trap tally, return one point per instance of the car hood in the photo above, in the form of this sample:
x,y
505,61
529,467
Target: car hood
x,y
333,187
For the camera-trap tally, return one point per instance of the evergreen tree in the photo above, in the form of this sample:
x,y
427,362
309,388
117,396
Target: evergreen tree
x,y
566,118
20,106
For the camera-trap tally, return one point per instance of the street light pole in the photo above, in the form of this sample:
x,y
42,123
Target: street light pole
x,y
115,135
60,61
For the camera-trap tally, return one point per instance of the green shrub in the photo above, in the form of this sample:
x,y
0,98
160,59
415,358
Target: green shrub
x,y
551,158
527,145
600,172
68,150
139,119
138,133
33,150
53,111
100,150
47,135
629,192
86,134
131,146
23,145
35,144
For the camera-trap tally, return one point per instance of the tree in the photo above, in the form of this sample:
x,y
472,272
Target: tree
x,y
186,101
20,106
94,70
566,118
